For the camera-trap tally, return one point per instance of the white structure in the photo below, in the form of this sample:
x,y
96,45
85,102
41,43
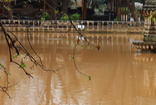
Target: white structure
x,y
138,5
80,27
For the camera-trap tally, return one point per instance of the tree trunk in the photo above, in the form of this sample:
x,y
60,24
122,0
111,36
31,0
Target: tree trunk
x,y
9,10
2,5
44,6
53,15
119,9
53,4
84,9
132,9
64,7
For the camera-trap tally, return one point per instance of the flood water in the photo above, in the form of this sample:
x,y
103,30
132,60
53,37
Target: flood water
x,y
120,74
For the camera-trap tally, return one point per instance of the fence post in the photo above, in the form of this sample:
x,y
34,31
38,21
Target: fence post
x,y
112,25
87,25
93,25
97,25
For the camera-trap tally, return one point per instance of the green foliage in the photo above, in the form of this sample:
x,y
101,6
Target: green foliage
x,y
45,16
143,32
151,16
1,65
74,16
146,37
137,11
42,19
57,11
153,19
73,58
101,8
89,77
8,0
89,47
23,65
64,17
117,19
15,56
7,8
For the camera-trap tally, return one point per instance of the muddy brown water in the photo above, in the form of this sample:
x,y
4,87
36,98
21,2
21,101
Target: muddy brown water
x,y
121,75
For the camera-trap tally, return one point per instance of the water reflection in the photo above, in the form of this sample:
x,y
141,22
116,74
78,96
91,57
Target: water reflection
x,y
120,74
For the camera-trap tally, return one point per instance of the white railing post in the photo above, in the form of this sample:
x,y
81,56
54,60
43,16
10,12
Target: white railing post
x,y
87,26
93,25
113,25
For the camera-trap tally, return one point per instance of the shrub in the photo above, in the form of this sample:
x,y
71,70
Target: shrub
x,y
101,8
45,16
117,19
74,16
64,17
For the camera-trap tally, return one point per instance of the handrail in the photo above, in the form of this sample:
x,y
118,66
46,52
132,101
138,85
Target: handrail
x,y
90,26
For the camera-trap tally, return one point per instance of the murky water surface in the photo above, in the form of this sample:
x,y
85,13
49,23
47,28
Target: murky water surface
x,y
121,75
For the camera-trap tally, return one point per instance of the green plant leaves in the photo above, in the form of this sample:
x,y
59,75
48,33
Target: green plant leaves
x,y
23,65
45,16
117,19
1,65
89,47
7,8
89,77
74,16
143,32
8,0
15,56
57,11
153,19
151,16
64,17
42,19
73,58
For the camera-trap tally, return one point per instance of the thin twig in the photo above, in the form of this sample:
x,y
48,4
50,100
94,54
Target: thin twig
x,y
74,60
4,89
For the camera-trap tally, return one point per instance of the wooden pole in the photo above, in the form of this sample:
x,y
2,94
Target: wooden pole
x,y
9,10
84,8
44,6
3,8
125,10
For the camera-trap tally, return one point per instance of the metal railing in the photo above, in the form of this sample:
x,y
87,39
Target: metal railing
x,y
64,26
